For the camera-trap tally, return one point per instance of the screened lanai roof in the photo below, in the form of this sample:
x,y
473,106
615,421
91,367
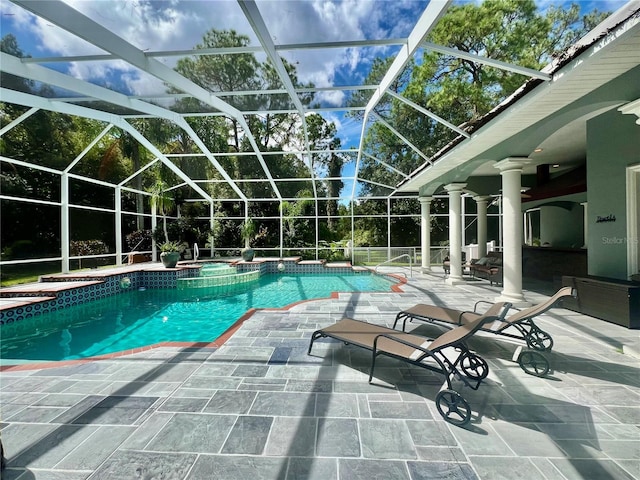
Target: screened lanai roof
x,y
115,61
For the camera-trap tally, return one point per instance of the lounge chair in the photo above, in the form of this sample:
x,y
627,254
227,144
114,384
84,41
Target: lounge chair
x,y
506,325
459,361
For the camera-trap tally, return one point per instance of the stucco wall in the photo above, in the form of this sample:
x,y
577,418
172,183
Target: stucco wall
x,y
613,143
561,227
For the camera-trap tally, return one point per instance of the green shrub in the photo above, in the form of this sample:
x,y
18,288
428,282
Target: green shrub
x,y
167,247
88,247
139,240
20,249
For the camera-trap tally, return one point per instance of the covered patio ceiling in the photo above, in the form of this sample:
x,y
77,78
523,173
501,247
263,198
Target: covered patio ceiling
x,y
110,102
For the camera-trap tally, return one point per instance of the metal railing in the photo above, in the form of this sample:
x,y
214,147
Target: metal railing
x,y
375,255
397,258
125,256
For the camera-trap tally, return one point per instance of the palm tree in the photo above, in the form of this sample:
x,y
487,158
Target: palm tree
x,y
248,231
162,202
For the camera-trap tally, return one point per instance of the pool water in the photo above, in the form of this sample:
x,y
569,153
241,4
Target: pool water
x,y
139,318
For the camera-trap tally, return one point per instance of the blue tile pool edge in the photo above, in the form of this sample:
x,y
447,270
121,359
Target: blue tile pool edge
x,y
154,278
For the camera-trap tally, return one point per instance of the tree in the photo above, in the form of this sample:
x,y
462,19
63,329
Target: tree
x,y
272,132
323,136
512,31
296,229
243,72
248,231
163,202
51,140
225,73
131,148
459,90
9,44
379,68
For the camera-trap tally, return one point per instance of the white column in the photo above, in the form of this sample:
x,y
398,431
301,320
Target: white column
x,y
500,222
463,230
455,232
481,202
511,171
425,232
64,222
118,213
211,225
388,229
154,225
317,232
353,243
585,217
282,231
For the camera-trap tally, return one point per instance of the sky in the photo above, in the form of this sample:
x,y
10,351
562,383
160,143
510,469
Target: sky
x,y
171,25
158,25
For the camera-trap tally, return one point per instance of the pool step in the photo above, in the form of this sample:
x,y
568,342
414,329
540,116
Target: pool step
x,y
217,270
218,280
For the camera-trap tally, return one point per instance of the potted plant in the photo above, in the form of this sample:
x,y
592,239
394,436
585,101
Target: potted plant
x,y
248,232
170,253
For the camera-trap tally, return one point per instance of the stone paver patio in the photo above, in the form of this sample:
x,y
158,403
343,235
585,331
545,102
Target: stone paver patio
x,y
259,407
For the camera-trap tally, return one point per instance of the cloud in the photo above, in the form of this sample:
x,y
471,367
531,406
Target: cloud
x,y
146,25
38,37
180,25
322,20
348,128
170,25
330,98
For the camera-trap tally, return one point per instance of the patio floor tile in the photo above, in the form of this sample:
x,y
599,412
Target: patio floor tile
x,y
260,408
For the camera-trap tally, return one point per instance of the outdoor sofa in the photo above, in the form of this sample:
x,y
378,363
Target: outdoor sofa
x,y
488,267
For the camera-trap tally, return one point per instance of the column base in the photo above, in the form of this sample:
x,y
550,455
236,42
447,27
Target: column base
x,y
453,281
425,269
516,299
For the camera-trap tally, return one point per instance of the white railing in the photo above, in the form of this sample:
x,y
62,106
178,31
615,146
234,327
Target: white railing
x,y
471,250
125,256
359,255
376,255
397,258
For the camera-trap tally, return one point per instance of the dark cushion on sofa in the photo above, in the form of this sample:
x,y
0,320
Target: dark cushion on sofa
x,y
489,267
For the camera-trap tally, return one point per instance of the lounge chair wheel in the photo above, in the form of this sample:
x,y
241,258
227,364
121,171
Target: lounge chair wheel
x,y
474,366
539,340
533,363
453,407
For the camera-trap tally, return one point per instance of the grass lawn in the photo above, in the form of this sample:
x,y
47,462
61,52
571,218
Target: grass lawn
x,y
28,272
11,275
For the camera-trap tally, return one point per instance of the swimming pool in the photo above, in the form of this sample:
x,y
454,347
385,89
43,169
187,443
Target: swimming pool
x,y
136,319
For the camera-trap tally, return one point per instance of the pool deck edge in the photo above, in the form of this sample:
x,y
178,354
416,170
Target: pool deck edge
x,y
21,365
